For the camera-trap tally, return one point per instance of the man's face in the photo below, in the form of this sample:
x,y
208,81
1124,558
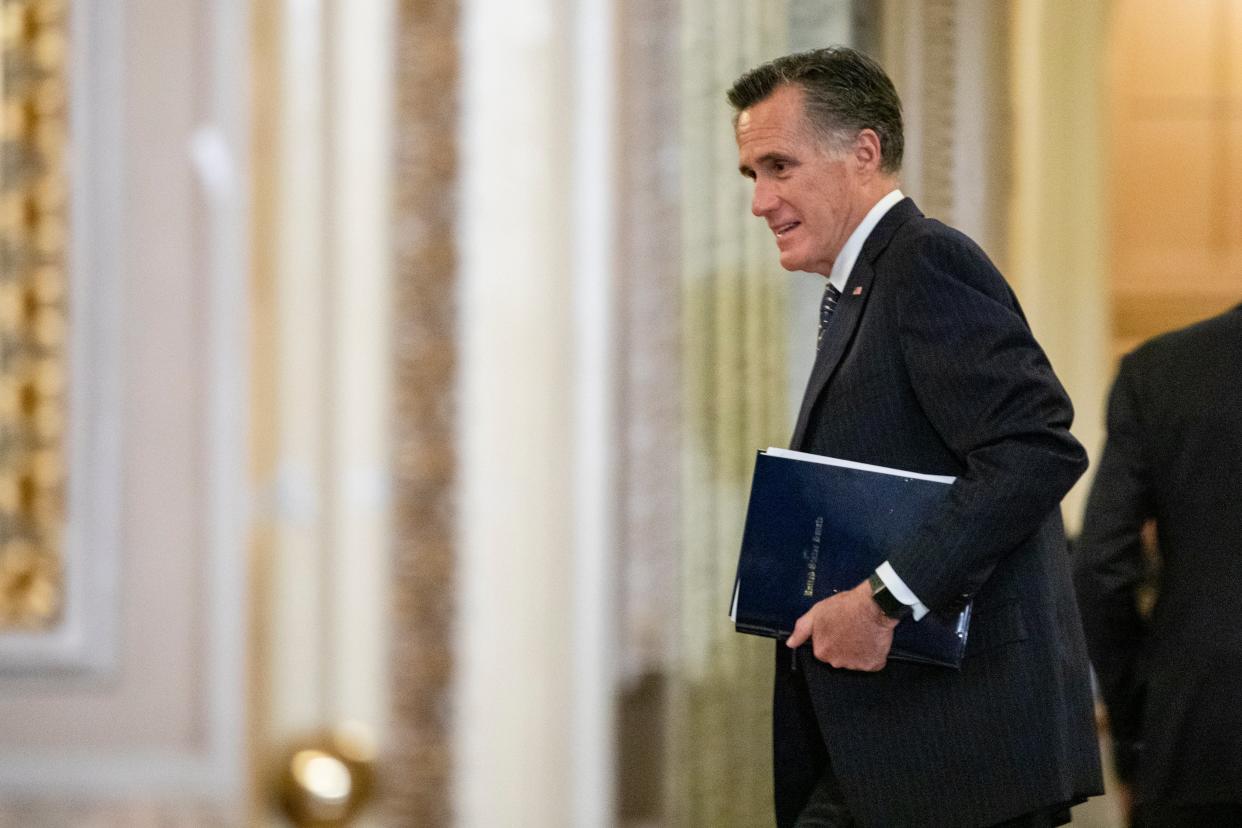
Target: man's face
x,y
808,194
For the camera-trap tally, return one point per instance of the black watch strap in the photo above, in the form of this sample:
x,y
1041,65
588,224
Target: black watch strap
x,y
889,603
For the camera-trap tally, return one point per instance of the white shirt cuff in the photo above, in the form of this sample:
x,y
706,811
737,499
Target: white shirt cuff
x,y
900,591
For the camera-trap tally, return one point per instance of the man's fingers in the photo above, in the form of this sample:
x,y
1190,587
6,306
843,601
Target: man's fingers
x,y
802,631
870,665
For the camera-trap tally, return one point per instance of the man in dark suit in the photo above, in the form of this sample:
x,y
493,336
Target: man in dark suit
x,y
925,363
1172,682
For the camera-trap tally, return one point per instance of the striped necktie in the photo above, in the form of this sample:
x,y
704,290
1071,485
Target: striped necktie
x,y
826,307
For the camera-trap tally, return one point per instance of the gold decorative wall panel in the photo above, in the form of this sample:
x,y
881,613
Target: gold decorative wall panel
x,y
33,315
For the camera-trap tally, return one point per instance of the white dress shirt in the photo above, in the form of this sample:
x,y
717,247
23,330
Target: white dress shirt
x,y
841,269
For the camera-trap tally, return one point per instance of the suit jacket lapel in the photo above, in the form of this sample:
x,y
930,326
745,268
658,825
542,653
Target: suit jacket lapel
x,y
849,310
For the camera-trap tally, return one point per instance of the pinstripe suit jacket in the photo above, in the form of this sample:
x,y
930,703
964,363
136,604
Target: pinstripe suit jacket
x,y
929,365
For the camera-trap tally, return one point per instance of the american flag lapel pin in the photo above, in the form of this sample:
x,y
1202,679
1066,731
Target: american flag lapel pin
x,y
858,291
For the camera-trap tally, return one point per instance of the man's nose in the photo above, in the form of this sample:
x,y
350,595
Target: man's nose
x,y
762,201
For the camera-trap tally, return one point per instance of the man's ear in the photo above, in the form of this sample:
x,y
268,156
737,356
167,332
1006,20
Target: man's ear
x,y
867,150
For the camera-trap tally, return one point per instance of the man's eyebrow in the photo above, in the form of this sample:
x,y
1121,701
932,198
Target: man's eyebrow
x,y
764,160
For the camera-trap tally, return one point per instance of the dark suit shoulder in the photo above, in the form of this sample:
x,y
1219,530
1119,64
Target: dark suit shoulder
x,y
1194,340
1189,360
922,244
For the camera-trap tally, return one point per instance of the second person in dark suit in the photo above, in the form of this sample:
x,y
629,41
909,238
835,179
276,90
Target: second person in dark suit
x,y
1172,681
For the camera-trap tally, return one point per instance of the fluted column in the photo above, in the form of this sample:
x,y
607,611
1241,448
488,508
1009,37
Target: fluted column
x,y
734,403
1057,218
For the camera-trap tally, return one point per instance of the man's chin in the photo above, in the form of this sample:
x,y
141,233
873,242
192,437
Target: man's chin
x,y
797,264
791,263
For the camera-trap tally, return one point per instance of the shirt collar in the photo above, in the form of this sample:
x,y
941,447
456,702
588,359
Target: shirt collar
x,y
853,245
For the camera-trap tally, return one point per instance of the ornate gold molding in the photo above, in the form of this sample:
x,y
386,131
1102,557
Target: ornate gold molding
x,y
33,315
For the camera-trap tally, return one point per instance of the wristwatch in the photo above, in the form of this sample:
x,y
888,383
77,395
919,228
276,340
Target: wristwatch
x,y
889,604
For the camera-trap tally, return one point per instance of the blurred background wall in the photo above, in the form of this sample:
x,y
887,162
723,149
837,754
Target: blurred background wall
x,y
418,352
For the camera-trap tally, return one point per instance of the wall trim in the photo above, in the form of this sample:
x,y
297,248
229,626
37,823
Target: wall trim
x,y
83,643
86,646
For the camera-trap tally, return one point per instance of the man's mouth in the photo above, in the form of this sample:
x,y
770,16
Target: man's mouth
x,y
782,229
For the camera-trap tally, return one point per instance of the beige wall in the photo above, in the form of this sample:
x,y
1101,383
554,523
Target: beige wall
x,y
1174,183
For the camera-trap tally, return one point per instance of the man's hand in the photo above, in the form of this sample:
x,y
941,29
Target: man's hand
x,y
847,630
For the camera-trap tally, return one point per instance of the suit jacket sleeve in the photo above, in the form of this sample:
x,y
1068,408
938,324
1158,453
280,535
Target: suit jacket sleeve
x,y
1109,564
989,391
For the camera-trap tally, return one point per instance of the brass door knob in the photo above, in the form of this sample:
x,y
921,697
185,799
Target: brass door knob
x,y
327,780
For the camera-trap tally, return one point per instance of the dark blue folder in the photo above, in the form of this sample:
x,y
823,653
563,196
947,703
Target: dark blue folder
x,y
818,526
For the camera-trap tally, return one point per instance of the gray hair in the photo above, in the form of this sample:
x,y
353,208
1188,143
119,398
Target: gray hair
x,y
844,92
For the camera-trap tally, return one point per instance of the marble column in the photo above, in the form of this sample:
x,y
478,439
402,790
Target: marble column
x,y
1057,218
734,402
